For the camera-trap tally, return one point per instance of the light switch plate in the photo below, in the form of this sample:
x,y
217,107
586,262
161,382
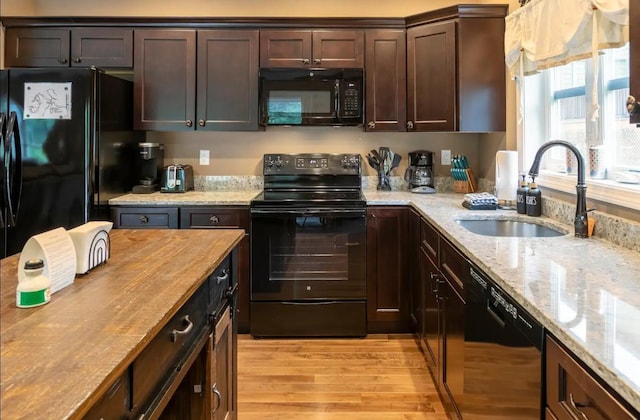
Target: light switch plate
x,y
204,157
445,157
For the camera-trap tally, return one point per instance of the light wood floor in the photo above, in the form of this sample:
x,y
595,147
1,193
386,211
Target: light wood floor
x,y
379,377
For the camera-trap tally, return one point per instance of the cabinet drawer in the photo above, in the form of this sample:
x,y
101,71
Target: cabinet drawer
x,y
212,218
160,358
572,393
429,240
115,403
453,265
219,283
145,217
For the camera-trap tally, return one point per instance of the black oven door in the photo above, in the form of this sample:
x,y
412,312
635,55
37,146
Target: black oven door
x,y
303,254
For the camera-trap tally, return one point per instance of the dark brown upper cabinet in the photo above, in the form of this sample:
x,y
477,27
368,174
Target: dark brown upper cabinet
x,y
456,70
172,65
386,80
63,47
634,51
312,48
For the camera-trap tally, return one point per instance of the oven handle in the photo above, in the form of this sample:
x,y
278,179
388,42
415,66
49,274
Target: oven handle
x,y
330,302
307,212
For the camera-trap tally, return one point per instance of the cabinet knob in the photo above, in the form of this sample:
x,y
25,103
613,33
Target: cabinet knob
x,y
371,124
144,219
410,125
214,220
189,123
305,61
317,61
77,59
63,60
633,106
201,123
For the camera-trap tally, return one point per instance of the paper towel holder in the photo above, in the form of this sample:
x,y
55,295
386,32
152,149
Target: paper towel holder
x,y
506,178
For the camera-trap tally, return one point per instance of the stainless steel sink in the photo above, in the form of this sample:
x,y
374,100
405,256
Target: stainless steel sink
x,y
511,228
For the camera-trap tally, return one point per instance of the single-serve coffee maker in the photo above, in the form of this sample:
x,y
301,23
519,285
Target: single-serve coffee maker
x,y
419,174
149,163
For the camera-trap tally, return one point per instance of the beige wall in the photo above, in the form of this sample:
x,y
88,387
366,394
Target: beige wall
x,y
351,8
240,153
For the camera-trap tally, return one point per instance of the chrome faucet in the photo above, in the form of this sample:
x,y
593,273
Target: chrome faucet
x,y
580,223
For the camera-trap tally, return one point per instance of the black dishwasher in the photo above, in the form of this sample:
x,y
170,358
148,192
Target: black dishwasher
x,y
502,355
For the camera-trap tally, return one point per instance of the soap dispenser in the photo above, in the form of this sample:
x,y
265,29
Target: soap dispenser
x,y
521,196
534,199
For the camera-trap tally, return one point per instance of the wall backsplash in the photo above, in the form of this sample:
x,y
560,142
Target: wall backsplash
x,y
240,153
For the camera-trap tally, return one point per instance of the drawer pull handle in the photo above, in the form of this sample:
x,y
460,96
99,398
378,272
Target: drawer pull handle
x,y
575,405
223,277
144,219
214,220
218,398
187,329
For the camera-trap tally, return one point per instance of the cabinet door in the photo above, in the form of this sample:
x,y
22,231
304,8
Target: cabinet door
x,y
387,306
634,51
338,49
285,48
102,47
228,80
431,74
221,372
165,79
37,47
432,327
413,275
572,391
452,372
386,77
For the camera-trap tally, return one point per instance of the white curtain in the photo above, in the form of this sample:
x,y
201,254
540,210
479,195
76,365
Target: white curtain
x,y
549,33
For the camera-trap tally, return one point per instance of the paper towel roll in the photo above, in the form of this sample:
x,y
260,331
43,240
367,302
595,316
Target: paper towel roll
x,y
506,175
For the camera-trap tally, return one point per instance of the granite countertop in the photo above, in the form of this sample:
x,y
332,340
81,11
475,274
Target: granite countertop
x,y
59,358
222,197
586,292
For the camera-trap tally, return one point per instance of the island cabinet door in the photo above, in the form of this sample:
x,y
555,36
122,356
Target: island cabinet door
x,y
115,403
220,380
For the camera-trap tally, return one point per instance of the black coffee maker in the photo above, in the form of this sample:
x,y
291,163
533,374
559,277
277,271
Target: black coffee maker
x,y
419,174
149,164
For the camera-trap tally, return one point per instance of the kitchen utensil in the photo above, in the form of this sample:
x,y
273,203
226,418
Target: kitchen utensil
x,y
373,162
395,161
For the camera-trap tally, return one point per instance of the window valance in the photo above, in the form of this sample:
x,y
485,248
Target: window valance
x,y
548,33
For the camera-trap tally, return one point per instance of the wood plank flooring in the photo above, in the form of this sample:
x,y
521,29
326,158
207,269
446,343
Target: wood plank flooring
x,y
379,377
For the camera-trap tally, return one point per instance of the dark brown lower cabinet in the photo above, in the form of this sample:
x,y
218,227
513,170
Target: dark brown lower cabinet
x,y
574,393
387,290
432,317
220,384
452,366
414,273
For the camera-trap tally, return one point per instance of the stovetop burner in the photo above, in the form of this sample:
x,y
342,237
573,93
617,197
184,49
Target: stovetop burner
x,y
311,179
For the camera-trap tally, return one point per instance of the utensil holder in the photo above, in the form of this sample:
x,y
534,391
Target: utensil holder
x,y
384,183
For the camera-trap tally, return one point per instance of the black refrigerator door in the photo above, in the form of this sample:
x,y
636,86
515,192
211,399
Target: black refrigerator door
x,y
4,105
55,121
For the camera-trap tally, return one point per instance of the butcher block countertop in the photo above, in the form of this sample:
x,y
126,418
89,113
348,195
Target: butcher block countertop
x,y
59,358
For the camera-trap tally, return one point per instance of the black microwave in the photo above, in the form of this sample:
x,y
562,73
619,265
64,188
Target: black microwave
x,y
311,96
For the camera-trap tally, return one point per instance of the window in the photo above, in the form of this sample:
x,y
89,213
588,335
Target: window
x,y
557,104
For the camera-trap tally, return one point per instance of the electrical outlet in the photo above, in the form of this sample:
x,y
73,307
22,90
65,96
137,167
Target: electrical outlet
x,y
445,157
204,157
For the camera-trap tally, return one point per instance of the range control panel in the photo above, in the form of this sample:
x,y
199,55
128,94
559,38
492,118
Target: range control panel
x,y
311,163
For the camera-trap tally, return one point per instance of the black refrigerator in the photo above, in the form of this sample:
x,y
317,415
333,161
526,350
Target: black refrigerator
x,y
67,146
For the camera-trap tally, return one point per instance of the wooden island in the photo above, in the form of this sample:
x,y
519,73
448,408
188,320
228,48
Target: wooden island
x,y
61,360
